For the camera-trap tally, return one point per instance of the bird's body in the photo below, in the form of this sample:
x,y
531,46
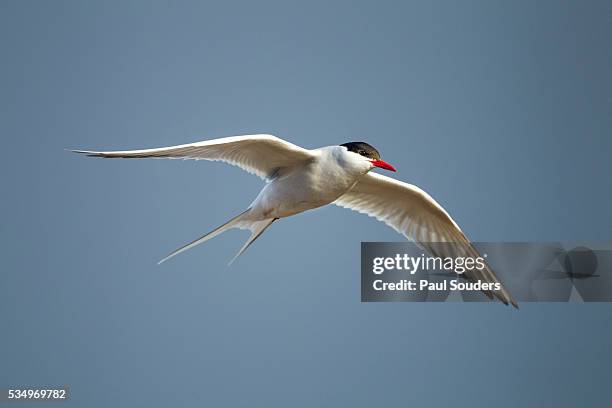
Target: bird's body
x,y
299,179
312,184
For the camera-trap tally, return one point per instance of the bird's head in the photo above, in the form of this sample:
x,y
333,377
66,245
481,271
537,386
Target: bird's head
x,y
369,153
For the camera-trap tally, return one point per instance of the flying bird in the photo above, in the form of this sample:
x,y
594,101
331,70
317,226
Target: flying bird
x,y
299,179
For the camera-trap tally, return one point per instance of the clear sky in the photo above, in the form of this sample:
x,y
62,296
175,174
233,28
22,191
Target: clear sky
x,y
499,109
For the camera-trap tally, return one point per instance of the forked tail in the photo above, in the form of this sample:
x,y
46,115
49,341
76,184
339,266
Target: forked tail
x,y
257,228
240,221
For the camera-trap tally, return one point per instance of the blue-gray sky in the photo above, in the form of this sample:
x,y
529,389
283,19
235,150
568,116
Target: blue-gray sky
x,y
501,110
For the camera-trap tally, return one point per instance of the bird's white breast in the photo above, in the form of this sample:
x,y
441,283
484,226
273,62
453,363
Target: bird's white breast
x,y
320,182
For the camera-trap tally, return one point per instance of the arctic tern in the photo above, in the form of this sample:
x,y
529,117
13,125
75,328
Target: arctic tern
x,y
299,179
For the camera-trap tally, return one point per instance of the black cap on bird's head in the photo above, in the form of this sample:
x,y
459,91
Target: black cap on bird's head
x,y
369,152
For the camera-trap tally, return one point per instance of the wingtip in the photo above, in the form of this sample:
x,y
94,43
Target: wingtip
x,y
89,153
509,302
86,152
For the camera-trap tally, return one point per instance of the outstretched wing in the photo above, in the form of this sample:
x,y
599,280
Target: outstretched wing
x,y
263,155
413,213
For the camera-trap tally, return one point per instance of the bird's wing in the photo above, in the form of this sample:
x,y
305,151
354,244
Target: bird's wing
x,y
413,213
263,155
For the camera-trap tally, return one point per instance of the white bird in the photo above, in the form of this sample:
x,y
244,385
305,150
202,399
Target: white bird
x,y
299,179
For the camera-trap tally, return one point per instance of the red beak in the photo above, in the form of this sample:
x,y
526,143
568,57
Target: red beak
x,y
382,165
